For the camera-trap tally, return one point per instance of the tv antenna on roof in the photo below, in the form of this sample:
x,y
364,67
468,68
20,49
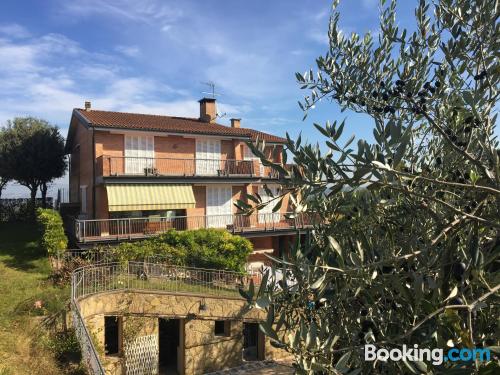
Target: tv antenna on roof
x,y
211,85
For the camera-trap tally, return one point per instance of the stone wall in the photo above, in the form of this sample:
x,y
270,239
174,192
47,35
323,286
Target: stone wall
x,y
201,350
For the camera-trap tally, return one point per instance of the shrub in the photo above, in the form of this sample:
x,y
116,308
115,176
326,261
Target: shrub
x,y
147,248
207,248
211,248
53,239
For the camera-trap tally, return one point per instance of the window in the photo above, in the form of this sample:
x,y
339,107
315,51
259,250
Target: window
x,y
266,214
222,328
208,155
112,335
139,154
170,214
219,206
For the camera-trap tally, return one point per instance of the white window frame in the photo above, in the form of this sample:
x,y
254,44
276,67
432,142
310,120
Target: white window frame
x,y
208,154
139,152
219,218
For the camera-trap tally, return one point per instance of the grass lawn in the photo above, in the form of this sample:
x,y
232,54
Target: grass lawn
x,y
24,273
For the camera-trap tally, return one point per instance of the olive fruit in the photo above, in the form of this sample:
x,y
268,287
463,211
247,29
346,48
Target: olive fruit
x,y
458,270
456,301
387,269
366,325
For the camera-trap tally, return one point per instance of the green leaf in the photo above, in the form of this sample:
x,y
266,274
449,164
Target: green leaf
x,y
262,302
420,366
311,335
277,206
453,293
263,284
468,98
334,245
268,331
341,365
318,283
349,141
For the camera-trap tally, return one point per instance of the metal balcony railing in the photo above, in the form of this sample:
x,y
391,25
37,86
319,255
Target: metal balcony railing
x,y
133,228
145,166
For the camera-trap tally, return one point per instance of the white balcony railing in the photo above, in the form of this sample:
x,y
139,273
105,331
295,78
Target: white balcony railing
x,y
132,228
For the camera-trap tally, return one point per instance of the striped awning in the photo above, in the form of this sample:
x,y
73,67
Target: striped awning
x,y
143,197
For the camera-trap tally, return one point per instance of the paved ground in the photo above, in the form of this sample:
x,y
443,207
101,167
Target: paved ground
x,y
258,368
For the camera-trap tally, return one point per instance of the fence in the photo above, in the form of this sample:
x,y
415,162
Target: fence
x,y
62,196
158,277
89,353
148,166
19,209
129,228
73,259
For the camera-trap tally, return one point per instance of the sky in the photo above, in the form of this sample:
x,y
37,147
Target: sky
x,y
153,56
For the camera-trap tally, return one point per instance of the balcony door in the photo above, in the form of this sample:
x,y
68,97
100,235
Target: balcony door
x,y
249,155
266,215
219,206
139,154
207,156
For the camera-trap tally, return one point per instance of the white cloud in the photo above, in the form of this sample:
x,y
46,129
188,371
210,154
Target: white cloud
x,y
130,51
49,75
147,11
14,30
320,37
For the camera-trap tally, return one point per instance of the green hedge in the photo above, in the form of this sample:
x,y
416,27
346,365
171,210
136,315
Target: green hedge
x,y
206,248
53,239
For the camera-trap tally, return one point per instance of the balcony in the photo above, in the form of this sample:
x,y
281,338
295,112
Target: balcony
x,y
125,166
105,230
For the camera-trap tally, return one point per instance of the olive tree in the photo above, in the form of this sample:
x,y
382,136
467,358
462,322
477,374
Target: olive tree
x,y
407,248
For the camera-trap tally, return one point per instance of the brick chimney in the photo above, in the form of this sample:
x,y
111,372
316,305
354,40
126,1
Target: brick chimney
x,y
88,105
235,122
208,110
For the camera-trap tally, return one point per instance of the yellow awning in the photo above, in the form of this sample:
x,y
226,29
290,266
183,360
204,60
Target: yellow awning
x,y
142,197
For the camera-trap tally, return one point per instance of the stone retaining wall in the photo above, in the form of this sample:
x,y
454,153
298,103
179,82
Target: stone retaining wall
x,y
200,350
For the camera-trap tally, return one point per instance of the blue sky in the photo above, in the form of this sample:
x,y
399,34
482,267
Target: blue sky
x,y
151,56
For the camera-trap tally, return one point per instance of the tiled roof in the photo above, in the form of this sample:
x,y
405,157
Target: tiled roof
x,y
122,120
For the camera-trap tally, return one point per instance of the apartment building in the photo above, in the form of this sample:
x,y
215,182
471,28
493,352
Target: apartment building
x,y
136,175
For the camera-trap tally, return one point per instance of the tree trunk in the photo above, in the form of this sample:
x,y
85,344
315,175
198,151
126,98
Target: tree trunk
x,y
3,184
33,190
43,189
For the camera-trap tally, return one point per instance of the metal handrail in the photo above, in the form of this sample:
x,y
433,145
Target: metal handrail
x,y
105,277
90,356
167,166
123,228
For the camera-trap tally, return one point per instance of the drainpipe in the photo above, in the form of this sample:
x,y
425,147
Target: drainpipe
x,y
93,172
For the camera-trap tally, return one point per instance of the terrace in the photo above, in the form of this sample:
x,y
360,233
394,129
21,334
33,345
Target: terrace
x,y
105,230
125,166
